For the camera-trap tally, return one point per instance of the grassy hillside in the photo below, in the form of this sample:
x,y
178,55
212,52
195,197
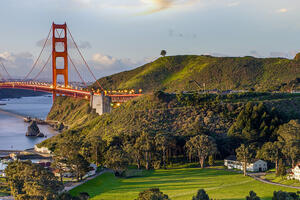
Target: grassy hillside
x,y
181,115
174,73
178,184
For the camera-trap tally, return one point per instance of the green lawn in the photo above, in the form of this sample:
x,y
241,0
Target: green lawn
x,y
272,177
179,184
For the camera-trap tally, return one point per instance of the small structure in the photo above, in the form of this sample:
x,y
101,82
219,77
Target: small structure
x,y
100,103
255,166
295,173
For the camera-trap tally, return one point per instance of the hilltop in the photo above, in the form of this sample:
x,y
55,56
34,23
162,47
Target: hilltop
x,y
175,73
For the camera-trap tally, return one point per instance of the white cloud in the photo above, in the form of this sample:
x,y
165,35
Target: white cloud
x,y
233,4
17,64
137,6
282,10
103,59
106,65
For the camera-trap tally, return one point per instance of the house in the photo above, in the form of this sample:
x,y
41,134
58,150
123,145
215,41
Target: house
x,y
295,173
255,166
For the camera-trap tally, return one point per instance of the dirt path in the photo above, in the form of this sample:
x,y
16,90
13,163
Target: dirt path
x,y
256,176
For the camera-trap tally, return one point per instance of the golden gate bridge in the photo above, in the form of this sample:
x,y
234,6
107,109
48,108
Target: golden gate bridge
x,y
60,33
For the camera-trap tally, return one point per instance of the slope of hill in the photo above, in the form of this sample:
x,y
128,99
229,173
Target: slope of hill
x,y
182,115
175,73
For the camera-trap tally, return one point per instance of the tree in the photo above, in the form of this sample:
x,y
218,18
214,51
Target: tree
x,y
201,195
202,146
271,151
79,166
152,194
255,124
291,151
134,153
93,148
281,169
163,53
68,196
145,144
289,133
211,160
117,159
163,143
83,196
280,195
31,181
244,155
252,196
68,159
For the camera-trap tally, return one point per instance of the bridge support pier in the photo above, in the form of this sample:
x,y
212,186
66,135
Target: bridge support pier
x,y
100,103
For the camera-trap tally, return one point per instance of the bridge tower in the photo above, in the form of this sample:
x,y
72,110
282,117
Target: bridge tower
x,y
59,32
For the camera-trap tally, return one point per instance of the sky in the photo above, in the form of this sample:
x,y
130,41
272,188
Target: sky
x,y
118,35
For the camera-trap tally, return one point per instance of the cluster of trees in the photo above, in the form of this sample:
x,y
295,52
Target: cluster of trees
x,y
156,194
147,150
29,181
68,158
260,129
264,136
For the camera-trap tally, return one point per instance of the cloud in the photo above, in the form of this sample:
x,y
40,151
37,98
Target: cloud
x,y
106,65
282,10
80,44
141,7
17,64
289,54
233,4
103,59
255,53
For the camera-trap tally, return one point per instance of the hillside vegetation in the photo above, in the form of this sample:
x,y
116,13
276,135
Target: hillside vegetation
x,y
175,73
182,115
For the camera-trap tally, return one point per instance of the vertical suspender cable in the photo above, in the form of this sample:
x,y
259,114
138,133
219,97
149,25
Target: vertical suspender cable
x,y
84,60
34,64
9,77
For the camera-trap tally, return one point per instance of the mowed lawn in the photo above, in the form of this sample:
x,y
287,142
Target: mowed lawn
x,y
179,184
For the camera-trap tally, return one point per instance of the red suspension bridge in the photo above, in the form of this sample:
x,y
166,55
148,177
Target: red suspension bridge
x,y
60,34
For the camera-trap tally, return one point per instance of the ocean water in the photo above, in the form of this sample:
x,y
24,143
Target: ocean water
x,y
12,126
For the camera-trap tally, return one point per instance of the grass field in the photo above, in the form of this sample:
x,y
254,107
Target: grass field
x,y
179,184
273,178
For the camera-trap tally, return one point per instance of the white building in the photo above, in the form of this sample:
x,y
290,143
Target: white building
x,y
255,166
296,172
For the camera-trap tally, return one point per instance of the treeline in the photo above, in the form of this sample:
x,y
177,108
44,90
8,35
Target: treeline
x,y
173,130
155,193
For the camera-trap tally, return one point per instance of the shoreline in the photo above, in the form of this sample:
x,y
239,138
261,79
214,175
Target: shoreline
x,y
17,115
21,117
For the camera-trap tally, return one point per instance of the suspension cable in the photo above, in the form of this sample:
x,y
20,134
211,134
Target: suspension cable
x,y
34,65
9,77
84,60
1,77
77,71
36,76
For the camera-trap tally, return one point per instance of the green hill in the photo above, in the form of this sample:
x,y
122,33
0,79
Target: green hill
x,y
182,115
175,73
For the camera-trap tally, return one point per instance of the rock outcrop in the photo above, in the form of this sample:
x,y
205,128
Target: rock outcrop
x,y
33,130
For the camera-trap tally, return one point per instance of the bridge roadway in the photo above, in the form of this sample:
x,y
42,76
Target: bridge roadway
x,y
45,87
